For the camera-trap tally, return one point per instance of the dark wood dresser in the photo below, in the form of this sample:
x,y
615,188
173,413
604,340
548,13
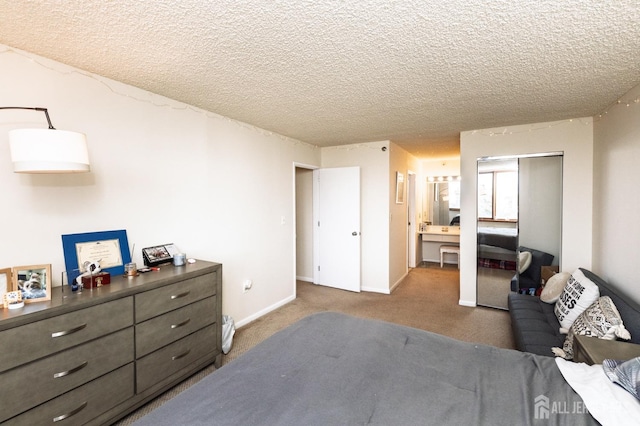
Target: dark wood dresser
x,y
95,356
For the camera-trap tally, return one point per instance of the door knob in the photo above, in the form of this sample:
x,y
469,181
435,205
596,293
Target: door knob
x,y
354,233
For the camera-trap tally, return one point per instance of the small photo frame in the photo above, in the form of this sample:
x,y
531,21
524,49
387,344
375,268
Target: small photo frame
x,y
158,255
34,282
5,282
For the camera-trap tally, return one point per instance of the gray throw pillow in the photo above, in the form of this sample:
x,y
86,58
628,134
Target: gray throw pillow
x,y
624,373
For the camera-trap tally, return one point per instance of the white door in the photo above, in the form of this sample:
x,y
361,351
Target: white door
x,y
337,225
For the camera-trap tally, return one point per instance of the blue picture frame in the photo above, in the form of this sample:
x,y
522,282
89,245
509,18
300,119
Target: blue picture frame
x,y
70,241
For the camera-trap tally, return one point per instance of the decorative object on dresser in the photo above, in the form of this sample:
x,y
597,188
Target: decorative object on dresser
x,y
110,248
96,356
159,255
33,281
5,283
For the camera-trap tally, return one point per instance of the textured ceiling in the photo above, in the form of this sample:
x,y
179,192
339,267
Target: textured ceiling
x,y
335,72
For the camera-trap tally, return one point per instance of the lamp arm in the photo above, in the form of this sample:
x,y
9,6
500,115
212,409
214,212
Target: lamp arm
x,y
46,113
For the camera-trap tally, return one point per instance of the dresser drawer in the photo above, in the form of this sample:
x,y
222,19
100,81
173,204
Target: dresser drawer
x,y
37,382
39,339
84,403
160,331
164,299
164,362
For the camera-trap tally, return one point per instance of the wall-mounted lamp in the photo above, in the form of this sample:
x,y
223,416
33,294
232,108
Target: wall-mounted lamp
x,y
47,150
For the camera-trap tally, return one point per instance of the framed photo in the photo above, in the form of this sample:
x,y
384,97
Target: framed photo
x,y
399,188
34,282
5,282
110,248
158,255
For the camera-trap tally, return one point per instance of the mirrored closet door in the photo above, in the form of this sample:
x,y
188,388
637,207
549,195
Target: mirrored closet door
x,y
519,218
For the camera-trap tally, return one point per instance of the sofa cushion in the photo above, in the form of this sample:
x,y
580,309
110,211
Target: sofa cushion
x,y
600,320
553,289
579,293
538,259
534,324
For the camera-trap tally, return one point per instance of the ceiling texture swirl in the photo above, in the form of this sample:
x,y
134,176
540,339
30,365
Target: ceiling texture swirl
x,y
329,73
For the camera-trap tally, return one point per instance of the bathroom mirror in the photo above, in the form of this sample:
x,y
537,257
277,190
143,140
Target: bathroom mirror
x,y
519,216
442,203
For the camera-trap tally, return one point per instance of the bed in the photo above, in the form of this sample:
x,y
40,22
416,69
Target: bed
x,y
331,368
497,247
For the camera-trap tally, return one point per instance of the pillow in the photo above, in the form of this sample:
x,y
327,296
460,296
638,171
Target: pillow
x,y
624,373
552,290
579,293
601,320
524,260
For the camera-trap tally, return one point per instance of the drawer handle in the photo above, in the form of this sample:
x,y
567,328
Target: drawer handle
x,y
66,332
70,413
73,370
180,324
178,296
182,355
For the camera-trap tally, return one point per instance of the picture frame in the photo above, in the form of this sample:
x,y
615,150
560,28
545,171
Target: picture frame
x,y
111,248
399,188
33,281
6,284
158,255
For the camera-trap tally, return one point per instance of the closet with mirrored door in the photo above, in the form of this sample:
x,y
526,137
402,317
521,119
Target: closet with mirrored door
x,y
519,224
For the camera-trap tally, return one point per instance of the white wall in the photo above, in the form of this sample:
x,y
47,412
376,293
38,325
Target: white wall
x,y
164,171
617,179
374,210
575,139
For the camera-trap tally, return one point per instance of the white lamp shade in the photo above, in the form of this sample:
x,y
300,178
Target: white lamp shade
x,y
48,151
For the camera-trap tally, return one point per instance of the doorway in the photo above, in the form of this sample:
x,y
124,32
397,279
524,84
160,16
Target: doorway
x,y
327,226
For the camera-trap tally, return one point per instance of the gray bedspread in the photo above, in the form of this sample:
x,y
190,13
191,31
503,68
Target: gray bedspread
x,y
334,369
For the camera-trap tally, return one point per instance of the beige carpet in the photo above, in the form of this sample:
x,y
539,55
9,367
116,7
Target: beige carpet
x,y
427,299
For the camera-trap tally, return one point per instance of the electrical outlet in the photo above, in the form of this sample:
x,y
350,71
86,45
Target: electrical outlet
x,y
246,286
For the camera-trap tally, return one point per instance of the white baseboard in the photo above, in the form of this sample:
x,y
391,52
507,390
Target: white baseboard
x,y
469,303
393,287
265,311
375,290
305,279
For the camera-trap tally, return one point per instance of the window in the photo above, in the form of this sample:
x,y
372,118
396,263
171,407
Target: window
x,y
454,195
498,195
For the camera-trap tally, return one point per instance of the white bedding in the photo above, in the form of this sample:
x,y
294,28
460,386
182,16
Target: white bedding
x,y
607,402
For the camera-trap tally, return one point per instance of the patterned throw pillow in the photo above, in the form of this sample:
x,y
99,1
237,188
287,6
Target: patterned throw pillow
x,y
601,320
624,373
578,294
